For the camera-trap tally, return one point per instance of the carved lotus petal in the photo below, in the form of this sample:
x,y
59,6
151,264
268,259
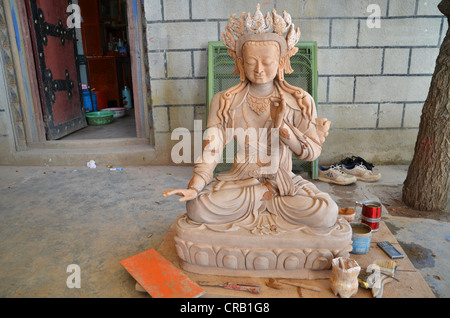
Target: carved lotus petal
x,y
293,36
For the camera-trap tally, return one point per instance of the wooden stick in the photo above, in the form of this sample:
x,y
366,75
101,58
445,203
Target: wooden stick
x,y
309,287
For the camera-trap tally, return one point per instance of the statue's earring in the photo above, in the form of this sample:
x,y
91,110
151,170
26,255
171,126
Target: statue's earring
x,y
281,69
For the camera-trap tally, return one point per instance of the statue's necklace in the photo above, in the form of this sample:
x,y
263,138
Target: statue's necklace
x,y
258,104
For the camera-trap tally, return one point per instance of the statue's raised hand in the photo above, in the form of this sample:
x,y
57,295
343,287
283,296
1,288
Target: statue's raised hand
x,y
277,111
187,194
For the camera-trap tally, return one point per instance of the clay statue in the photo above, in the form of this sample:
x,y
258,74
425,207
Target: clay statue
x,y
344,279
262,100
269,120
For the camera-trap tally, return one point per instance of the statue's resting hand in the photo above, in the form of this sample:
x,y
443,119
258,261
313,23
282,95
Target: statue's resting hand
x,y
187,194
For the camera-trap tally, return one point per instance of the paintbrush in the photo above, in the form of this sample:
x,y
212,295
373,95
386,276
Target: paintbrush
x,y
371,277
387,268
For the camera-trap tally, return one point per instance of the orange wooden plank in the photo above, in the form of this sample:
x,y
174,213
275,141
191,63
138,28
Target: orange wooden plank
x,y
159,277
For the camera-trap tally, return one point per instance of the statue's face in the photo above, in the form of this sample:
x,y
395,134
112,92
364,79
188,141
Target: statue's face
x,y
261,61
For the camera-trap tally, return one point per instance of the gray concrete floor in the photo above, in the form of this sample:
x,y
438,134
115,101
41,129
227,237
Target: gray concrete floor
x,y
51,217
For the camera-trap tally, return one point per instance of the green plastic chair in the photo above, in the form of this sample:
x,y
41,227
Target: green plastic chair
x,y
220,77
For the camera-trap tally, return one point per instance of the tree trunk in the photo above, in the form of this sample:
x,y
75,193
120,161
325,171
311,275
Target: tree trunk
x,y
427,184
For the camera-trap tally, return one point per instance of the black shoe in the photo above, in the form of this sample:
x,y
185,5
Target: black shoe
x,y
347,162
355,160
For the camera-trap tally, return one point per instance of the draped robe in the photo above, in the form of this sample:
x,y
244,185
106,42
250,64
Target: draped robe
x,y
250,189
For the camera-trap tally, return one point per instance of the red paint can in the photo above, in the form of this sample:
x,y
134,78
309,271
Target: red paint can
x,y
373,223
371,209
371,214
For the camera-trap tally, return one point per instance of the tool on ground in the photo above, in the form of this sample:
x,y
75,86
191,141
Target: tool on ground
x,y
301,285
272,283
248,287
377,274
390,250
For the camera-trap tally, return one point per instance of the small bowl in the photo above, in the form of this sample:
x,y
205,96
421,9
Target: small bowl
x,y
348,214
118,111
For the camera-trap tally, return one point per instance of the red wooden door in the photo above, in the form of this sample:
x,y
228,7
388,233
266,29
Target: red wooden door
x,y
57,69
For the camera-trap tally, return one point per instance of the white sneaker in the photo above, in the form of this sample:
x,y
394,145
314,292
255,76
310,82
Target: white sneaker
x,y
334,174
361,172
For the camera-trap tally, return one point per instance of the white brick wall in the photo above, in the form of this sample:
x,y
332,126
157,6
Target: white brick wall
x,y
178,92
390,115
423,60
314,30
223,9
348,115
344,32
401,8
372,81
176,9
328,9
396,61
385,89
340,89
402,32
178,64
349,61
181,35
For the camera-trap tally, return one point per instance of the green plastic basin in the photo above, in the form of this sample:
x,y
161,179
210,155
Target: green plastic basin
x,y
100,118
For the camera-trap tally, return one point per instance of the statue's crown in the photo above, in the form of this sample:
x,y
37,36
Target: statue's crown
x,y
258,28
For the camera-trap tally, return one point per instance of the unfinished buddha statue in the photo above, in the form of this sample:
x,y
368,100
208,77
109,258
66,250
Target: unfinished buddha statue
x,y
260,194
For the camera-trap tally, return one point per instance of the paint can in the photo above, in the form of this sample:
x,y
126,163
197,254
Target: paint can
x,y
371,209
373,223
361,237
371,214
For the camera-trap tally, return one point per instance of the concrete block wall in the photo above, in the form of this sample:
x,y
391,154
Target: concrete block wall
x,y
372,81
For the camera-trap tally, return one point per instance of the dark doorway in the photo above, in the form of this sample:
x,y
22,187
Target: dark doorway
x,y
83,70
105,67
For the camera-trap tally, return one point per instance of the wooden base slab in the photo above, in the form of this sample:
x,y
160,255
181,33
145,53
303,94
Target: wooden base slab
x,y
411,284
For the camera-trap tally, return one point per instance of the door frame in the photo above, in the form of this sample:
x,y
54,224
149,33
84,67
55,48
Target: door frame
x,y
30,95
135,34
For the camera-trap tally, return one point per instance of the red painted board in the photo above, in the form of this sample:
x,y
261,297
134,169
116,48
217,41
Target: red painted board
x,y
159,277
